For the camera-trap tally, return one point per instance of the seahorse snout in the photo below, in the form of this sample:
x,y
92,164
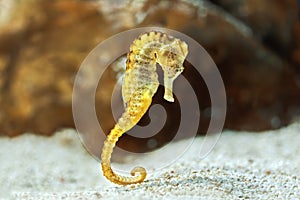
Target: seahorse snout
x,y
168,84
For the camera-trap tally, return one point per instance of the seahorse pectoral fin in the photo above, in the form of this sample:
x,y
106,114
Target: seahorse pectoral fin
x,y
168,84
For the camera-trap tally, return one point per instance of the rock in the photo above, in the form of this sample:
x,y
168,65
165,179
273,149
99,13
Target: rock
x,y
39,59
272,22
256,47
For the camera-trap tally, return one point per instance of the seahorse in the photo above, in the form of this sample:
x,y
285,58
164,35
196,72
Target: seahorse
x,y
139,85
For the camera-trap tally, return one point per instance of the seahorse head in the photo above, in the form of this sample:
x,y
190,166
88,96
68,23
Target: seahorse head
x,y
171,58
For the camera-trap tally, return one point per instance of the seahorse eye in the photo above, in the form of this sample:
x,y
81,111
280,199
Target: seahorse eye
x,y
179,70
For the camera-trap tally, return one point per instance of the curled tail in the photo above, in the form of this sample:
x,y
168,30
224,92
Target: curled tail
x,y
109,144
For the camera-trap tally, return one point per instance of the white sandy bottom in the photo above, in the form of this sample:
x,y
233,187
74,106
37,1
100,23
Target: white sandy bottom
x,y
241,166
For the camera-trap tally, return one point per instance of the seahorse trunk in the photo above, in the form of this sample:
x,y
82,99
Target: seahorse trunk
x,y
109,144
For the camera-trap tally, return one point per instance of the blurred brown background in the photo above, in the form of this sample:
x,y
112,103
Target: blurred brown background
x,y
255,44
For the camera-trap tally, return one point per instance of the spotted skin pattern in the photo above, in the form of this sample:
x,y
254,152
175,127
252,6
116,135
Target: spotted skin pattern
x,y
139,85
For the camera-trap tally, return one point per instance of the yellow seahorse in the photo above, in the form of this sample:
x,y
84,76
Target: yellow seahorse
x,y
139,85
